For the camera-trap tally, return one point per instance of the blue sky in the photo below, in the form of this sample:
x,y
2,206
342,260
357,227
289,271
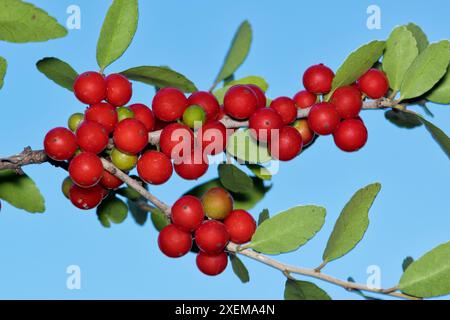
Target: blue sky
x,y
409,217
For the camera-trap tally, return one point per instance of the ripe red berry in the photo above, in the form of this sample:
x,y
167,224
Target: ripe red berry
x,y
207,101
348,102
260,95
92,137
154,167
212,137
323,118
169,104
240,225
110,181
104,114
90,87
212,236
187,213
175,139
60,144
144,114
174,242
118,89
286,108
86,198
240,102
374,84
305,99
211,264
304,129
317,79
351,135
263,121
191,166
130,136
288,145
86,169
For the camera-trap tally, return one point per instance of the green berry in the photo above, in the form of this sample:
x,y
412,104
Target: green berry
x,y
75,120
124,113
123,161
194,116
66,185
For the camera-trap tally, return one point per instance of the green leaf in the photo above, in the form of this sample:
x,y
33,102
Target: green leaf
x,y
352,223
402,119
263,216
58,71
245,201
256,80
159,219
103,219
161,77
244,148
419,35
23,22
234,179
3,66
239,268
288,230
117,32
21,192
237,53
129,193
357,63
260,171
438,135
303,290
401,51
139,215
113,209
426,70
441,91
406,263
429,276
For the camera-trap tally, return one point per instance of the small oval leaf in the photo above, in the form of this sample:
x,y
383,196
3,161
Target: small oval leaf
x,y
139,215
244,148
419,35
159,219
441,91
303,290
263,216
239,268
58,71
402,119
114,209
3,66
438,135
234,179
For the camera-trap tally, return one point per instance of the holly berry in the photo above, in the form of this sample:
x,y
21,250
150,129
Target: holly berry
x,y
110,181
144,114
318,79
260,95
174,242
86,198
86,169
104,114
90,87
60,144
288,145
212,236
92,137
191,166
240,102
304,99
65,186
263,121
286,108
217,203
347,101
212,137
169,104
123,161
207,101
130,136
240,225
323,118
118,89
307,134
75,120
175,139
187,213
124,113
194,116
211,264
374,84
154,167
351,135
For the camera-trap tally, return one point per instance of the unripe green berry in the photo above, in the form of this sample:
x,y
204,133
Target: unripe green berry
x,y
194,116
124,113
75,120
66,185
123,161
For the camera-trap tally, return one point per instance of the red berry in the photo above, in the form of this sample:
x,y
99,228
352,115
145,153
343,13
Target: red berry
x,y
304,129
187,213
212,137
175,139
169,104
130,136
110,181
207,101
288,145
118,89
348,102
144,114
154,167
92,137
211,264
104,114
317,79
174,242
260,95
90,87
192,166
286,108
60,144
86,198
351,135
240,225
263,121
323,118
240,102
212,236
305,99
374,84
86,169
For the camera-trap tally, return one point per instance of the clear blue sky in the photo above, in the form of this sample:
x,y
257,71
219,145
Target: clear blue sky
x,y
410,216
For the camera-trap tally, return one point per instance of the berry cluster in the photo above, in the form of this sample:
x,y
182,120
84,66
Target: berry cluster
x,y
212,222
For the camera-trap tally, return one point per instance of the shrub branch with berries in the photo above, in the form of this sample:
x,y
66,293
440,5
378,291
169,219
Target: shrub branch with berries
x,y
105,143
